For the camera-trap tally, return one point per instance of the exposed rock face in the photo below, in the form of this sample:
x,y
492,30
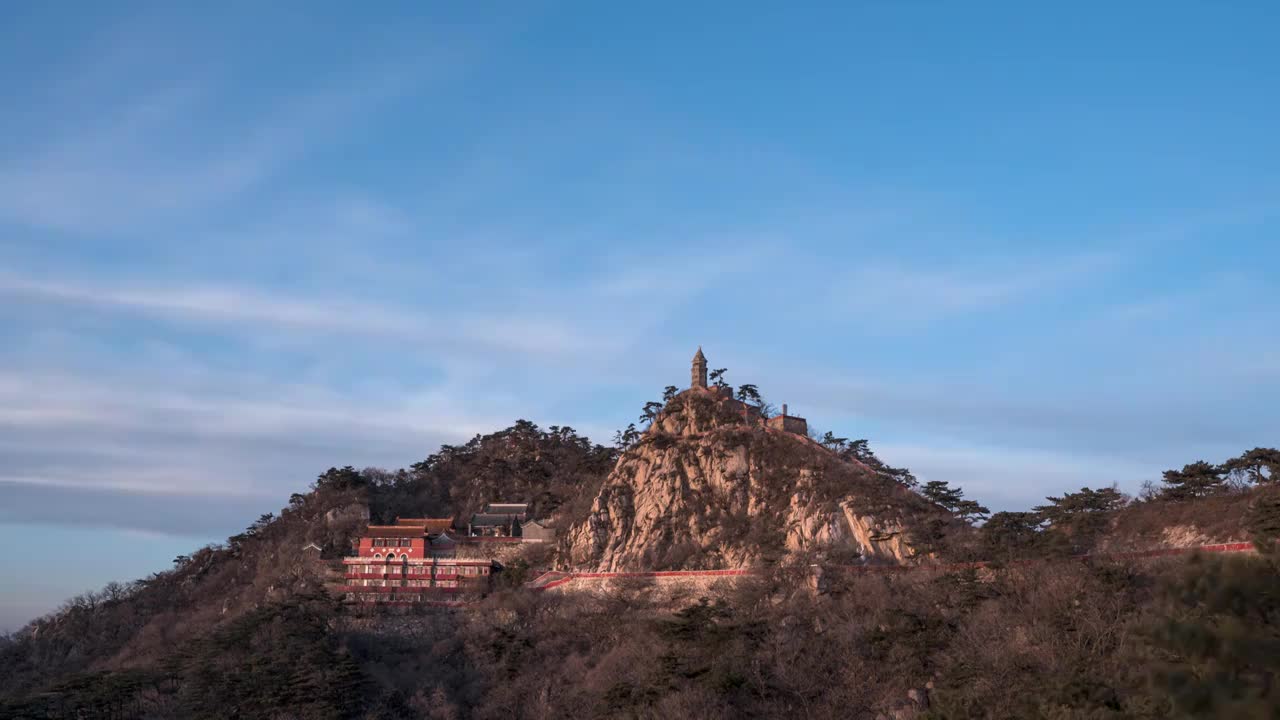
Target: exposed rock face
x,y
710,486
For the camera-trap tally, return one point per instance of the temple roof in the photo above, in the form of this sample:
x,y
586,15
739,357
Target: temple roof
x,y
699,356
433,525
490,519
396,531
505,509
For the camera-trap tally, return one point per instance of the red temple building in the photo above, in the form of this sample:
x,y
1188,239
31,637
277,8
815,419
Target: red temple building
x,y
409,563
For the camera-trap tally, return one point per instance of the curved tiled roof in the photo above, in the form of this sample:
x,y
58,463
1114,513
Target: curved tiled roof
x,y
433,525
396,531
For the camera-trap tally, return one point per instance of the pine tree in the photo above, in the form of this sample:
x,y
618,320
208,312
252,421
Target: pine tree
x,y
1259,466
1217,649
1079,518
624,439
1011,535
1082,502
749,393
650,412
940,492
1263,520
717,378
1199,479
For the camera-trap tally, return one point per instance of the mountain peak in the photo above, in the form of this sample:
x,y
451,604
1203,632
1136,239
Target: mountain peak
x,y
713,484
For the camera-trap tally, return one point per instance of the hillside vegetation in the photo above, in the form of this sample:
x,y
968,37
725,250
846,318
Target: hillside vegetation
x,y
245,629
554,470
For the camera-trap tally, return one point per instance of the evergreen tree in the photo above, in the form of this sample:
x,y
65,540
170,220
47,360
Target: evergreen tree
x,y
1199,479
940,492
749,393
831,442
717,378
650,412
1263,520
1217,648
860,451
1080,518
1012,535
970,511
1259,466
624,439
334,479
1071,507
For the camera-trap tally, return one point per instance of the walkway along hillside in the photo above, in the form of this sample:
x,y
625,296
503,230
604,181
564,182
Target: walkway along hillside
x,y
553,579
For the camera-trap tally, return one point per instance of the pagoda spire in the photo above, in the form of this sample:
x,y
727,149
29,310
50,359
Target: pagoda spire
x,y
698,374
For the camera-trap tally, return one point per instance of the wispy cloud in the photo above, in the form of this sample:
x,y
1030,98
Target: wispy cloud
x,y
134,449
213,303
1132,419
122,177
167,513
235,306
161,147
894,293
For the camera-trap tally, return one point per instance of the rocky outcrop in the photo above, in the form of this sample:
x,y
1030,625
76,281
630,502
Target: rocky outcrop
x,y
710,486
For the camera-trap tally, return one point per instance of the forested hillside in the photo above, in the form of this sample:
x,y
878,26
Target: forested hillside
x,y
245,629
553,470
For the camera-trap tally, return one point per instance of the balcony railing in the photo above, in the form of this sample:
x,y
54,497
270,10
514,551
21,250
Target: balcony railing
x,y
394,591
438,562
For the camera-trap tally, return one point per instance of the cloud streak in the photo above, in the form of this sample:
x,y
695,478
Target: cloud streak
x,y
236,306
891,294
125,175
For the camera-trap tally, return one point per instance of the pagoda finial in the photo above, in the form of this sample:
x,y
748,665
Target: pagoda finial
x,y
698,377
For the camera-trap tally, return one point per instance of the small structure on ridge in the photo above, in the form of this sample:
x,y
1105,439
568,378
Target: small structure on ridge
x,y
785,422
789,423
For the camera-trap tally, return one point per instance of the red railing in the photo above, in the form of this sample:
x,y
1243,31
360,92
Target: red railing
x,y
412,602
402,590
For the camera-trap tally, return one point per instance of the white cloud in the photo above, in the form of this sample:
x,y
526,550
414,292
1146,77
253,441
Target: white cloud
x,y
220,303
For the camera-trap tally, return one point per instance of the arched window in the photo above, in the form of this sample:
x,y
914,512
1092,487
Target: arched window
x,y
377,556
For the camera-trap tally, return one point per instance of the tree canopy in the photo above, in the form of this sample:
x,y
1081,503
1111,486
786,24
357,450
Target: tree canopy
x,y
1260,466
941,493
1194,480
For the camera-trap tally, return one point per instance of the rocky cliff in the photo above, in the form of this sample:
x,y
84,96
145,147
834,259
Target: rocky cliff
x,y
710,486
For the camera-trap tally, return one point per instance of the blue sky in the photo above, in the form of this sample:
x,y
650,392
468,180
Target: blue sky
x,y
1022,249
